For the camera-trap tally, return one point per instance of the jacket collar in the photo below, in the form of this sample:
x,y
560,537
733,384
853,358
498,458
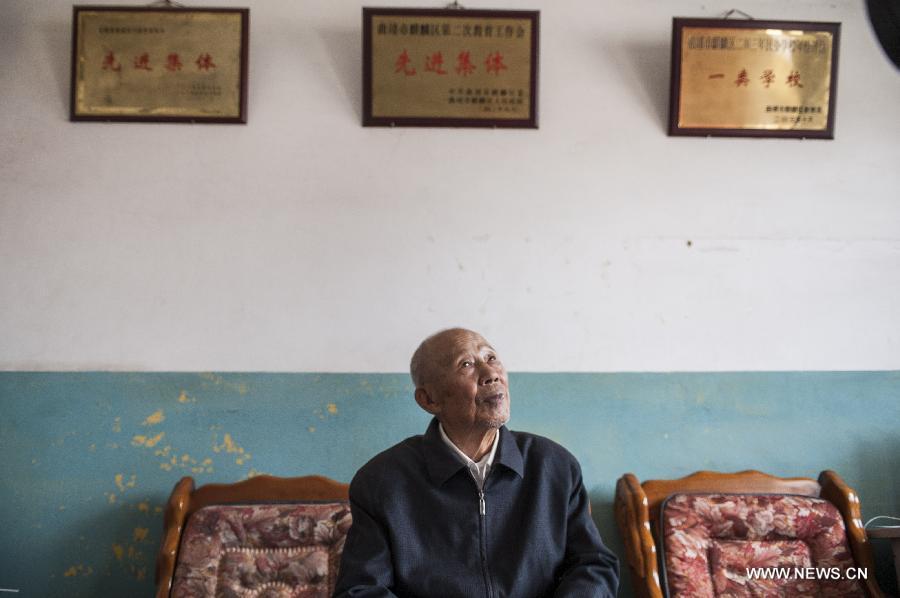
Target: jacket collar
x,y
442,464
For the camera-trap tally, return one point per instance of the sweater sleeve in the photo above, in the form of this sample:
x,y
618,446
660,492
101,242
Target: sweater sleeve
x,y
590,569
366,564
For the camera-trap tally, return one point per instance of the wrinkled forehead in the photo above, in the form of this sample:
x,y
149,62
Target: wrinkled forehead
x,y
458,343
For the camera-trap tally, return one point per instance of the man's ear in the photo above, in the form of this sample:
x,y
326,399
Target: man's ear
x,y
426,402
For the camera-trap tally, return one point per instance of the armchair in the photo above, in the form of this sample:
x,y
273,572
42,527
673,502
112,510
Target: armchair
x,y
265,537
696,536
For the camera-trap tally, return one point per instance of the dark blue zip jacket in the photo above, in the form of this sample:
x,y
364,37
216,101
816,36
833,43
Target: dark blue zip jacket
x,y
420,530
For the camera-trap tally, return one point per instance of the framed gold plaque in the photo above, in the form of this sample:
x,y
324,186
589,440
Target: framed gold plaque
x,y
159,64
753,78
450,67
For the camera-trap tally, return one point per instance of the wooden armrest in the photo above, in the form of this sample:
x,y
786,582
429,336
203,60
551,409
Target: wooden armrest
x,y
633,519
173,522
842,496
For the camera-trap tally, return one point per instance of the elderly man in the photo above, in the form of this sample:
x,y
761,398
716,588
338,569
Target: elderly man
x,y
470,508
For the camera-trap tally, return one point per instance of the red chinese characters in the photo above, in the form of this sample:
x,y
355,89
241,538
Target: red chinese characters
x,y
767,77
142,62
204,62
434,63
494,63
110,63
793,79
402,65
173,62
464,64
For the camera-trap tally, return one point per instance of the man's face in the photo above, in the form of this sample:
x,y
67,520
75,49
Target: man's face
x,y
466,383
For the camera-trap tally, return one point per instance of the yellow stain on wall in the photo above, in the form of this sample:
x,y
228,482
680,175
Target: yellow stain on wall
x,y
117,425
140,534
110,497
311,428
118,551
151,442
155,418
185,462
332,408
230,446
144,507
121,484
183,397
240,387
92,448
78,569
138,440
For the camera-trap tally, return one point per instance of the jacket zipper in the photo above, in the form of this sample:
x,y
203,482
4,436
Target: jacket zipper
x,y
482,510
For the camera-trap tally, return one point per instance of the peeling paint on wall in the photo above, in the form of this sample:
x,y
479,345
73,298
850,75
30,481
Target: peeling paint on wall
x,y
155,418
75,570
230,446
240,387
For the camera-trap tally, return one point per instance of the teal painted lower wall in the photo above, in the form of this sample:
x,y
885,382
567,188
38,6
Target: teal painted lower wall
x,y
90,458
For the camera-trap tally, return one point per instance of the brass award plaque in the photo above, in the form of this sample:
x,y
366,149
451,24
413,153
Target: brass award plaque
x,y
159,64
753,78
450,67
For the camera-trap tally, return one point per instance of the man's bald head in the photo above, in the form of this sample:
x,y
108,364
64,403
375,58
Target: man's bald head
x,y
421,366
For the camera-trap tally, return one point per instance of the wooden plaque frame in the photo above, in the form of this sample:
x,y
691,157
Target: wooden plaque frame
x,y
796,47
397,93
159,64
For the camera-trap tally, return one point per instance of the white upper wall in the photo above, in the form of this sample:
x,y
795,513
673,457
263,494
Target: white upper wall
x,y
305,242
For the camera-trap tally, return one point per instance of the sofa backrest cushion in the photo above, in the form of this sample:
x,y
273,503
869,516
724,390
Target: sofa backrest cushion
x,y
710,541
262,551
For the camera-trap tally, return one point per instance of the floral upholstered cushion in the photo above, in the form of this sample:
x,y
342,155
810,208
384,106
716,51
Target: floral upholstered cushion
x,y
711,540
728,562
262,551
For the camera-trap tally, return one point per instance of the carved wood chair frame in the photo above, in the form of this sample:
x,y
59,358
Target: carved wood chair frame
x,y
637,515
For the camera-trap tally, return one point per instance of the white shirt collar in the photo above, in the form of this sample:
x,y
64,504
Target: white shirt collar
x,y
479,469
